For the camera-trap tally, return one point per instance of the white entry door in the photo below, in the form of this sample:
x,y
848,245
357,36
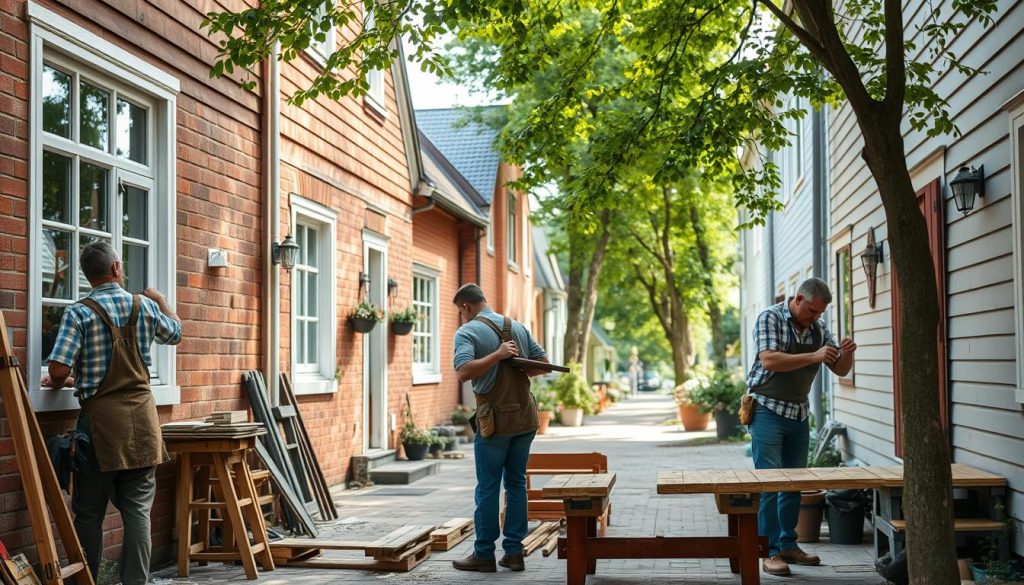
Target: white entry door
x,y
375,348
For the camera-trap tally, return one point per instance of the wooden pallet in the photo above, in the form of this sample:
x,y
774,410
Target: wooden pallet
x,y
451,533
452,454
399,551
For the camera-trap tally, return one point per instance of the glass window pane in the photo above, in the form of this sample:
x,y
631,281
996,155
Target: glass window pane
x,y
312,241
56,264
84,288
131,131
300,340
135,206
312,306
311,342
135,263
56,102
51,325
56,187
300,239
92,196
94,116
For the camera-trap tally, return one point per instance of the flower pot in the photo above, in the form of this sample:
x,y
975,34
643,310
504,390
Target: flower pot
x,y
543,420
812,508
727,424
415,451
363,325
692,418
402,328
978,573
572,417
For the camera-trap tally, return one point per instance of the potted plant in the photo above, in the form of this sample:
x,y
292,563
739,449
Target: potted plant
x,y
812,502
416,441
546,404
402,322
574,395
991,569
722,396
690,414
436,445
364,317
460,417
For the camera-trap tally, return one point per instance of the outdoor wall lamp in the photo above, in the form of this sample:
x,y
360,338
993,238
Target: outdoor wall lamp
x,y
870,258
284,253
966,185
364,281
392,287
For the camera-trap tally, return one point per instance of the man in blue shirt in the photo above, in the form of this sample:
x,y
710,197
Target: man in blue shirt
x,y
506,420
105,338
791,341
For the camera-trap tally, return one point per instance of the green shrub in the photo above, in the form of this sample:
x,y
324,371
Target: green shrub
x,y
461,415
408,315
723,392
573,391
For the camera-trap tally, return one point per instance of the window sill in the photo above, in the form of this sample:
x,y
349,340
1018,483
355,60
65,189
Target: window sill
x,y
512,266
46,400
310,384
375,109
426,378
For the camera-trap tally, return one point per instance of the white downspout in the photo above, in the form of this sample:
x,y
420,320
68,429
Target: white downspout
x,y
272,223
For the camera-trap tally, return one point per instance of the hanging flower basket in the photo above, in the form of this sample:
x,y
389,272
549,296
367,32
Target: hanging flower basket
x,y
399,328
363,325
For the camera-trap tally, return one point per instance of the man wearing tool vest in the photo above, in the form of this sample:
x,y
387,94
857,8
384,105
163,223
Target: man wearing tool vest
x,y
505,421
105,338
791,342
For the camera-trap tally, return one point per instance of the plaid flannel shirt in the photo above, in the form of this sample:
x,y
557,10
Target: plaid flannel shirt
x,y
774,331
84,343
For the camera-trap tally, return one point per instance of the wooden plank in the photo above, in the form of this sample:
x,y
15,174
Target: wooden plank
x,y
416,556
290,498
325,501
564,486
959,525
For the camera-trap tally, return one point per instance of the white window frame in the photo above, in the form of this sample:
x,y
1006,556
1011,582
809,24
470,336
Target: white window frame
x,y
376,97
510,229
55,38
1015,107
429,373
527,238
319,380
490,230
318,51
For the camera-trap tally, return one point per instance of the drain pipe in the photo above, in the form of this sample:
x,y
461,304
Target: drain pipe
x,y
817,256
272,222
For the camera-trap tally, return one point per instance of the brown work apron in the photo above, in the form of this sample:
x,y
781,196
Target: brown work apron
x,y
122,414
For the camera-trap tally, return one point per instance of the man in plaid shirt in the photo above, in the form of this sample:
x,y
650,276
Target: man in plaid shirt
x,y
791,342
110,359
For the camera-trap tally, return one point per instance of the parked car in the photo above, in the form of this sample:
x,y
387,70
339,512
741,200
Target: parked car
x,y
650,382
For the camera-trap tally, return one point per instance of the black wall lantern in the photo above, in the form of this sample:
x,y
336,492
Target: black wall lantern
x,y
870,258
392,287
966,185
285,253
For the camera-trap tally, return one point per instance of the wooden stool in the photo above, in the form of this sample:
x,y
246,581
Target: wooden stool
x,y
213,475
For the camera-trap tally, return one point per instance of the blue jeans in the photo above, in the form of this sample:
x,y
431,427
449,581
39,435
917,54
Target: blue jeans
x,y
778,442
497,457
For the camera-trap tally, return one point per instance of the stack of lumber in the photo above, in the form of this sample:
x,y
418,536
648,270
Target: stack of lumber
x,y
401,550
544,536
206,429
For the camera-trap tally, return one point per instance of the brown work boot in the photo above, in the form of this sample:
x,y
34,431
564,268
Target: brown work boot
x,y
795,555
513,562
472,563
775,566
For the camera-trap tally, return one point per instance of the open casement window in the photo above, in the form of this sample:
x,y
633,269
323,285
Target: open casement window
x,y
929,198
844,302
426,363
102,169
314,357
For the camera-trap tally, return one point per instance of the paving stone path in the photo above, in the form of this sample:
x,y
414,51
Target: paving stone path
x,y
638,447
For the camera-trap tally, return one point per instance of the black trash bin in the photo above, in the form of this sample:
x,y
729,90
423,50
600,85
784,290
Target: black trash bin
x,y
846,516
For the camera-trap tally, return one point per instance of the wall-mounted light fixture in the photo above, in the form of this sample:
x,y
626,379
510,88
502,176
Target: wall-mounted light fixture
x,y
392,287
966,185
870,258
364,282
285,253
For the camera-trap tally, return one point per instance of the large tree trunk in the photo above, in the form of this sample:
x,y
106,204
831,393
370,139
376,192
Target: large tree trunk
x,y
590,293
928,499
714,308
575,297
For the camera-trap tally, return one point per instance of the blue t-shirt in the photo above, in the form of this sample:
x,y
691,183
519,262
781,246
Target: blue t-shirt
x,y
475,340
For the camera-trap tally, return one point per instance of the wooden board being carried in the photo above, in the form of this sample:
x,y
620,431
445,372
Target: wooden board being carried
x,y
451,533
401,550
536,365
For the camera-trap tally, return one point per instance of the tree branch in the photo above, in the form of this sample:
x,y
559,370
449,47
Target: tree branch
x,y
895,66
836,58
806,38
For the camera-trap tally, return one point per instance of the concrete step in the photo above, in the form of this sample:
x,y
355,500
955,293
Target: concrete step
x,y
404,472
362,465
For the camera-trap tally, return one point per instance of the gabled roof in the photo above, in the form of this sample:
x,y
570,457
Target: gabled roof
x,y
547,275
469,147
450,189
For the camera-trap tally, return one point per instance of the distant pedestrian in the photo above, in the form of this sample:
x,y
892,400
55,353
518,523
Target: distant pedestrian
x,y
791,342
506,421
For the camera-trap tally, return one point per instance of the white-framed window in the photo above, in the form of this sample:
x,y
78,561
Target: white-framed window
x,y
793,155
320,50
314,310
426,362
490,232
375,78
1016,110
510,230
527,238
101,167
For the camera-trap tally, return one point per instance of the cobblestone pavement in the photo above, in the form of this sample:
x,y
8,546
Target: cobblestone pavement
x,y
638,447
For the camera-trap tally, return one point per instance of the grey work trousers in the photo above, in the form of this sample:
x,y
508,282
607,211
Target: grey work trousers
x,y
132,492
